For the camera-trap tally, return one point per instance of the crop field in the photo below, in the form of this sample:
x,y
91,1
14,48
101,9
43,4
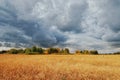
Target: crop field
x,y
59,67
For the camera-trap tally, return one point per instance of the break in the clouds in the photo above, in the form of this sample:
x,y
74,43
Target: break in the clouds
x,y
77,24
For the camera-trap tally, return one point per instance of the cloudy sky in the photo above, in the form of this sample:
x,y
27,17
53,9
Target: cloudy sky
x,y
76,24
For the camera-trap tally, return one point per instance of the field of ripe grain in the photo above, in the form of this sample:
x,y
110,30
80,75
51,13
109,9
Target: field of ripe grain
x,y
59,67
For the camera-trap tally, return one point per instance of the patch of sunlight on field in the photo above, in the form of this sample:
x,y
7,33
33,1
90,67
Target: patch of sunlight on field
x,y
59,67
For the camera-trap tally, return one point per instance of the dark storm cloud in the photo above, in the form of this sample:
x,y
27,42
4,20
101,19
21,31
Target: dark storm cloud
x,y
26,31
84,24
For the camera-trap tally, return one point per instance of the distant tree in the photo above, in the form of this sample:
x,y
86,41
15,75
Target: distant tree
x,y
77,52
3,51
49,50
85,52
58,50
116,53
20,51
13,51
93,52
62,51
53,50
34,49
89,52
66,51
40,50
46,51
27,50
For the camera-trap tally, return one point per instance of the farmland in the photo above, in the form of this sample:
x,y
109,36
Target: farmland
x,y
59,67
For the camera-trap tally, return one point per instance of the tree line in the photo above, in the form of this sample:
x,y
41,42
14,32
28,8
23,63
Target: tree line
x,y
38,50
86,52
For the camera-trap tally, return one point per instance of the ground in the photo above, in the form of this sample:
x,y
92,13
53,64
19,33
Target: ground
x,y
59,67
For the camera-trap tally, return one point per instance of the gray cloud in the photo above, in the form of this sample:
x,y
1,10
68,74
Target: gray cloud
x,y
78,24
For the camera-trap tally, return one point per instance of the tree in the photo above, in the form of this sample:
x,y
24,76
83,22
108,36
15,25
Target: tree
x,y
116,53
78,52
53,50
49,51
40,50
13,51
34,49
20,51
62,51
58,50
3,51
27,50
66,51
93,52
85,52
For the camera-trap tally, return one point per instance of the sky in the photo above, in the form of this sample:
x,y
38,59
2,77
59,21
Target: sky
x,y
75,24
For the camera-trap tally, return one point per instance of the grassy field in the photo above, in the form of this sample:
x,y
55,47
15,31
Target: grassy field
x,y
59,67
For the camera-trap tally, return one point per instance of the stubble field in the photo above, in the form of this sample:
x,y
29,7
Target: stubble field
x,y
59,67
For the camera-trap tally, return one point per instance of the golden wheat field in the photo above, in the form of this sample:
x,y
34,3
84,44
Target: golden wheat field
x,y
59,67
